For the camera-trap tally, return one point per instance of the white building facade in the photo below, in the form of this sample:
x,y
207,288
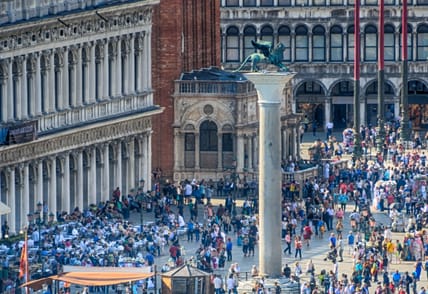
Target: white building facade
x,y
319,39
81,71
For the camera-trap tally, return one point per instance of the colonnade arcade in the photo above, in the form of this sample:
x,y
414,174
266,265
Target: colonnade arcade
x,y
64,77
74,178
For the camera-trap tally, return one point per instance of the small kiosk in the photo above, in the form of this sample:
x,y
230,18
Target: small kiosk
x,y
186,279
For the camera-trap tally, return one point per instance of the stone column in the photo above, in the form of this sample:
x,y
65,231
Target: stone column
x,y
119,68
145,61
92,68
119,166
10,94
125,64
88,78
99,68
79,198
250,153
39,196
52,95
4,93
197,152
327,109
149,62
24,88
105,70
25,196
140,65
220,152
65,80
11,202
240,153
73,76
66,185
269,88
59,68
131,164
17,80
178,155
52,187
78,75
92,179
106,172
131,66
38,92
112,65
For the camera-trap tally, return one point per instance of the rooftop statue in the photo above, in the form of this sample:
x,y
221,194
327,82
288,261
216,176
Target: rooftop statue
x,y
268,55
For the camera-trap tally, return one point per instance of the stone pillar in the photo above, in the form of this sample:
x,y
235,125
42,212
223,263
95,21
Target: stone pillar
x,y
118,78
92,179
99,69
178,155
119,166
106,173
219,152
59,68
11,202
112,65
79,198
52,96
66,185
327,109
4,94
240,153
88,78
250,153
65,80
131,164
73,76
10,94
25,197
146,62
144,159
270,90
92,68
106,73
131,58
38,92
24,90
52,188
39,196
140,65
78,75
197,152
125,64
45,82
17,80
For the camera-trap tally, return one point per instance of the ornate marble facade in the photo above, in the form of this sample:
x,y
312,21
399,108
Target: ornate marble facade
x,y
86,79
216,132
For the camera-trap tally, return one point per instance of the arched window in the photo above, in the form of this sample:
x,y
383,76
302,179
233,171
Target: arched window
x,y
409,42
208,136
422,43
284,37
350,43
302,43
336,44
266,34
232,44
370,43
389,43
318,43
249,35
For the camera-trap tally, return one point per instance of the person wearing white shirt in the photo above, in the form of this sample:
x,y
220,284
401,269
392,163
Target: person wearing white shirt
x,y
231,284
217,284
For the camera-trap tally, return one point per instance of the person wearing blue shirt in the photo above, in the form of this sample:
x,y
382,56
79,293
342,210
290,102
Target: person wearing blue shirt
x,y
351,242
332,240
396,277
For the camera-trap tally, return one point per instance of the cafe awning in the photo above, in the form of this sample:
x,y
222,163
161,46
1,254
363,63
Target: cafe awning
x,y
95,276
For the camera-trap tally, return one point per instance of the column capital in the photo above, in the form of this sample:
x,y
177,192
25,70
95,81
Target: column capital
x,y
126,41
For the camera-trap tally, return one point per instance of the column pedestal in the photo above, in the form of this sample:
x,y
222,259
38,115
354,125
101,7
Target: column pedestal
x,y
270,87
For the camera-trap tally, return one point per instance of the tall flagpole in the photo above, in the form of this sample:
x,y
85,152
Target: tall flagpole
x,y
357,47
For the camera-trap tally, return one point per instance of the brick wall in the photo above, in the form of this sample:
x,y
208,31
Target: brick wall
x,y
198,21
